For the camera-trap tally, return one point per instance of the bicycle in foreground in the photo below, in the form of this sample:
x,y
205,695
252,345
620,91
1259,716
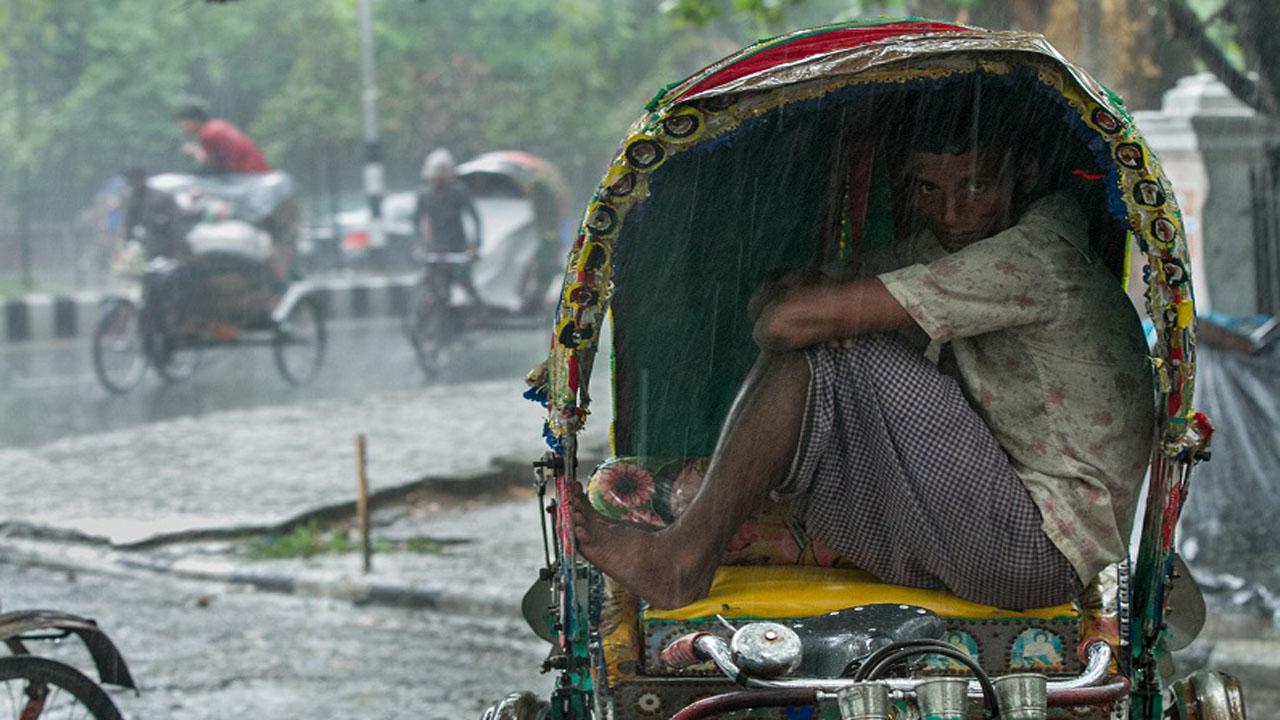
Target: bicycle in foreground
x,y
34,687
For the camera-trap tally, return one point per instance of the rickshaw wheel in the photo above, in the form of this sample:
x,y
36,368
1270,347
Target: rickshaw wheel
x,y
518,706
174,364
424,324
31,686
299,343
119,354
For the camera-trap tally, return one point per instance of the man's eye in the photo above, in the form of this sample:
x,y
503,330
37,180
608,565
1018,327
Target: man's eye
x,y
978,186
927,188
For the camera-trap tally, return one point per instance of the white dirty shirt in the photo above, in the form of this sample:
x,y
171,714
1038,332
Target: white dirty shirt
x,y
1050,353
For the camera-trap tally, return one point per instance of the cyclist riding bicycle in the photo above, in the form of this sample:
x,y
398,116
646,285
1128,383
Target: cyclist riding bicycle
x,y
438,219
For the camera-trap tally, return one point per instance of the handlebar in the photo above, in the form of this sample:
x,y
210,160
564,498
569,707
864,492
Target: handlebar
x,y
432,257
1085,688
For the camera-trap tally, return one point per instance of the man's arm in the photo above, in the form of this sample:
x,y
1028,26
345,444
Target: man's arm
x,y
215,157
815,313
196,152
214,146
422,223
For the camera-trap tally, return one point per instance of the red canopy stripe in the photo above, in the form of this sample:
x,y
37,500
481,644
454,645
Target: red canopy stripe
x,y
813,44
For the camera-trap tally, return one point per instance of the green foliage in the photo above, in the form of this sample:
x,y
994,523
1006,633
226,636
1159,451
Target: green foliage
x,y
775,16
313,540
1219,29
89,88
421,546
306,541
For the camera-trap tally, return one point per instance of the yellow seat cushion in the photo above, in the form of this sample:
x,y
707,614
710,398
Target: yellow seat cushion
x,y
771,592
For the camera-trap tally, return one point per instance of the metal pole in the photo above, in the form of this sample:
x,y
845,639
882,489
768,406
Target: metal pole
x,y
24,165
373,176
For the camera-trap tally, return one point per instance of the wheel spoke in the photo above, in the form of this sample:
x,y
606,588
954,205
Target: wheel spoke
x,y
299,344
35,688
118,355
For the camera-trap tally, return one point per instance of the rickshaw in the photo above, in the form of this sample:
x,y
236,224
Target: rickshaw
x,y
721,180
526,199
522,201
241,231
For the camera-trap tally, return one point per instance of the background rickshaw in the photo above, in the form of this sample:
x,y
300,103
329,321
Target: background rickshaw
x,y
232,292
525,199
522,201
690,216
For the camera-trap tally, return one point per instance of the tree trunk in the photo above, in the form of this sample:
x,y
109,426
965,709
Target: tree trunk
x,y
1257,22
1188,28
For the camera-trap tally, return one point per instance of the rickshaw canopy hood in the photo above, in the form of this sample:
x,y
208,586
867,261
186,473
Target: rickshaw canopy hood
x,y
730,120
526,170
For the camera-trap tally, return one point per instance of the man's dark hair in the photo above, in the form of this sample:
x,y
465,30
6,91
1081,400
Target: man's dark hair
x,y
983,114
193,112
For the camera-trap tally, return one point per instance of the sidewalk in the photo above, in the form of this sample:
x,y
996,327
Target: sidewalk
x,y
180,496
489,553
262,467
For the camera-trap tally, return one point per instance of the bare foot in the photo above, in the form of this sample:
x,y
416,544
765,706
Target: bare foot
x,y
658,565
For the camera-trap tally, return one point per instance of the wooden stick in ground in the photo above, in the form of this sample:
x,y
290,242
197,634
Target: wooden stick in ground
x,y
362,504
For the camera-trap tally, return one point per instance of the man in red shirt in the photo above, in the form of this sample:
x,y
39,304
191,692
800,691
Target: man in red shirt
x,y
222,147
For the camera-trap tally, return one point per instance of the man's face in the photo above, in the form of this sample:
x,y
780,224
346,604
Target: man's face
x,y
961,198
189,126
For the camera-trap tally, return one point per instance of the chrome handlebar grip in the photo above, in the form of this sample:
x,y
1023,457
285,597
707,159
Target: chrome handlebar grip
x,y
716,649
683,651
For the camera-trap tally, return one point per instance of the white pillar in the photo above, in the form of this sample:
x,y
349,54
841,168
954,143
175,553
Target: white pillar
x,y
1208,141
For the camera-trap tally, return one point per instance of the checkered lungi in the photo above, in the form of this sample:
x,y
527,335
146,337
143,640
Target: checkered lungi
x,y
895,471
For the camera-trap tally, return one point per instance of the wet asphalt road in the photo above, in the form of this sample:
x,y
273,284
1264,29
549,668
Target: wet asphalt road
x,y
206,650
48,389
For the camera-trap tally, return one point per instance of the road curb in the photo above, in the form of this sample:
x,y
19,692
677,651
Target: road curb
x,y
502,473
62,316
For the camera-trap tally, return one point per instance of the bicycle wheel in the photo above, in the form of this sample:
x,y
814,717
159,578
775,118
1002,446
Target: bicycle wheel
x,y
35,687
119,356
299,342
425,324
174,361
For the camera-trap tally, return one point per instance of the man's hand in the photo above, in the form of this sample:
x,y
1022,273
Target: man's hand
x,y
804,315
196,152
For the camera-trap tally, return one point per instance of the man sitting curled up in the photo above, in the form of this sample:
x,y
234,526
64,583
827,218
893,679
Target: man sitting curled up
x,y
972,412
